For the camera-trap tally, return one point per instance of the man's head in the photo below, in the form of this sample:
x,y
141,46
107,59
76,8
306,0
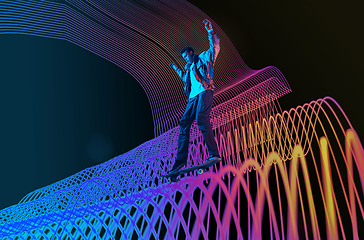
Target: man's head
x,y
187,54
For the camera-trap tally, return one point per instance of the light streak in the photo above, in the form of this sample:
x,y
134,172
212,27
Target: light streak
x,y
241,196
142,38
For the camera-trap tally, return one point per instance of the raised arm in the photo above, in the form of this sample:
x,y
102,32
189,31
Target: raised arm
x,y
214,41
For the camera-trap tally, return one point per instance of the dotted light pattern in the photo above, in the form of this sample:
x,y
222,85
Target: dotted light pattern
x,y
290,175
141,37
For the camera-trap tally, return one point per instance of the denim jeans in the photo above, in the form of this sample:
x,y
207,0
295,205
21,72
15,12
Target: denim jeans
x,y
198,108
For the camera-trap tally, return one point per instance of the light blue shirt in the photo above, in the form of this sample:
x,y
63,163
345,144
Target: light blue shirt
x,y
196,86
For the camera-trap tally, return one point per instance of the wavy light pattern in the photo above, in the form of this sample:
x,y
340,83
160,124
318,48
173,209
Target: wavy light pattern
x,y
141,37
285,175
293,175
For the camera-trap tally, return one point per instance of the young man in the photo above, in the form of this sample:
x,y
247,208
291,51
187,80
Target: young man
x,y
199,88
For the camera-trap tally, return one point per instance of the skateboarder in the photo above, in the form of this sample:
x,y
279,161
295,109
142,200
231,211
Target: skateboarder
x,y
199,88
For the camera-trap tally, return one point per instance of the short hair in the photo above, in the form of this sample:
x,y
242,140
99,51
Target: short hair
x,y
187,49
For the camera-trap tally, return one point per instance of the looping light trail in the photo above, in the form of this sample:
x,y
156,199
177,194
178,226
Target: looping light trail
x,y
285,175
306,177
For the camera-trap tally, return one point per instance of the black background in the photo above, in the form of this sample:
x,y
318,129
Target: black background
x,y
64,109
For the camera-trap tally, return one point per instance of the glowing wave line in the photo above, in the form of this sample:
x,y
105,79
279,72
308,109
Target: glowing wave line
x,y
142,38
192,219
251,133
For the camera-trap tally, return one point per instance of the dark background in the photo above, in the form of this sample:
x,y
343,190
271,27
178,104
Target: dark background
x,y
64,109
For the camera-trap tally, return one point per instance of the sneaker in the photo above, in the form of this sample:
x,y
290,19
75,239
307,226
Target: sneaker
x,y
176,168
213,158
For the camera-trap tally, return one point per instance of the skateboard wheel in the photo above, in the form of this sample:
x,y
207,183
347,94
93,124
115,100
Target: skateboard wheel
x,y
168,180
200,171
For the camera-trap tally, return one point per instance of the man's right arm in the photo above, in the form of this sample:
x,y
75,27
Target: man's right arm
x,y
179,71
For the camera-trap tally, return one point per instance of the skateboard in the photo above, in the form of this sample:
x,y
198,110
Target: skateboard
x,y
172,177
